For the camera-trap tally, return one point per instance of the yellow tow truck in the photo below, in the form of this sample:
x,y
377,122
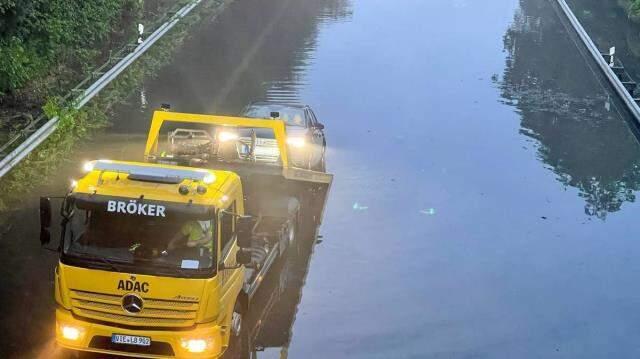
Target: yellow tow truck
x,y
161,259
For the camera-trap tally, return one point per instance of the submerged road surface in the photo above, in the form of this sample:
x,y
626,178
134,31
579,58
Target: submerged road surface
x,y
484,203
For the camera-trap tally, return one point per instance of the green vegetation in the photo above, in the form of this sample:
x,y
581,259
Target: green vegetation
x,y
635,7
77,124
632,7
39,37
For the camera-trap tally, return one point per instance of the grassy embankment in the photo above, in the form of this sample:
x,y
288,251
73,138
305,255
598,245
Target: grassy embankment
x,y
78,124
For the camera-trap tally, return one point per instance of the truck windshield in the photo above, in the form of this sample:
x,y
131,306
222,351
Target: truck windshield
x,y
180,245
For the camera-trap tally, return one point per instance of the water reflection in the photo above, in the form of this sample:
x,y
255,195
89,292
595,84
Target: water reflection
x,y
232,61
272,314
608,24
575,126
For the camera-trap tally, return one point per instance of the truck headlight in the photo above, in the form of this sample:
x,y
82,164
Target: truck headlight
x,y
70,332
226,136
196,345
297,142
209,178
88,166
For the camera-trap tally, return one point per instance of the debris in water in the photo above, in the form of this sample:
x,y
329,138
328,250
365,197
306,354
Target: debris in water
x,y
430,211
358,207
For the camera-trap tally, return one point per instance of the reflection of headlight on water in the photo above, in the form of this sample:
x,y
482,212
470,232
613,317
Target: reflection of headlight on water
x,y
297,142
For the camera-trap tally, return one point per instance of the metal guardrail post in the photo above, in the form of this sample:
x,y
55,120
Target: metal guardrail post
x,y
20,152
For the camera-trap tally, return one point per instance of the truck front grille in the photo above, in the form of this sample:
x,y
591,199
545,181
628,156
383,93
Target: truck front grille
x,y
156,312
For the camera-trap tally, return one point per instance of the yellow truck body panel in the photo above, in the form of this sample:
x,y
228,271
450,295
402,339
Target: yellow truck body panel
x,y
160,117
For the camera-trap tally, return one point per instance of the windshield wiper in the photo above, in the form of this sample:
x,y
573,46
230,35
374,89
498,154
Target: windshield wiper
x,y
156,265
110,263
104,260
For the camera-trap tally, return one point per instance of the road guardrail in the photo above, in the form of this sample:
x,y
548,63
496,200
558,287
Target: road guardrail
x,y
42,133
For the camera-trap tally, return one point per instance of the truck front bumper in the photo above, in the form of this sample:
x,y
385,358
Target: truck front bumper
x,y
76,334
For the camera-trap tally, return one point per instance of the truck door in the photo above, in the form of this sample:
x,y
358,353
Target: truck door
x,y
228,250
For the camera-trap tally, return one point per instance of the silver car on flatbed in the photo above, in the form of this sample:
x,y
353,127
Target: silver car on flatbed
x,y
305,134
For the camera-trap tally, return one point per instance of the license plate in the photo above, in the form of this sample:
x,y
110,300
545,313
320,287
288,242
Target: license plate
x,y
265,142
131,339
171,163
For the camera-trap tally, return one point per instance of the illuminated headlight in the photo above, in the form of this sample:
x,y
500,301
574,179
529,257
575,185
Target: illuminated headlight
x,y
226,136
196,345
297,142
88,166
209,178
70,332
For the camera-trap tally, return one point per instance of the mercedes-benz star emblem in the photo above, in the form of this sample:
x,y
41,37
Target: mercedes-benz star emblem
x,y
132,303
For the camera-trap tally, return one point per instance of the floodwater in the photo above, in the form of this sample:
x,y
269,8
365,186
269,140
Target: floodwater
x,y
484,201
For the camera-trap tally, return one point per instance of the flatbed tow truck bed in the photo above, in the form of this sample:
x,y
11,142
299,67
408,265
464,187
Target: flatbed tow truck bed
x,y
279,195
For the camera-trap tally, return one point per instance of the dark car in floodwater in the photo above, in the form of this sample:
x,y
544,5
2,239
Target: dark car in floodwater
x,y
305,134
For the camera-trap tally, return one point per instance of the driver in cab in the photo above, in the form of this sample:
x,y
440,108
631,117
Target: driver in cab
x,y
193,234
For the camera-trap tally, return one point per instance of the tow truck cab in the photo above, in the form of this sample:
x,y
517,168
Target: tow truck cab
x,y
121,287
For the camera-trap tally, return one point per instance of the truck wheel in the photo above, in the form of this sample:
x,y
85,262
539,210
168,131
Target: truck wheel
x,y
292,239
236,320
238,339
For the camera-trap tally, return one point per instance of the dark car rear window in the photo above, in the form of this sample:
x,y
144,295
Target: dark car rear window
x,y
290,115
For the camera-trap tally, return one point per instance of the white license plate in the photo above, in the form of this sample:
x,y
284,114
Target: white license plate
x,y
131,339
265,142
164,162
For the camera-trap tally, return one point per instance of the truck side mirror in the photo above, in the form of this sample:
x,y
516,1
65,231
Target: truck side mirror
x,y
45,236
244,231
243,257
45,220
319,126
45,212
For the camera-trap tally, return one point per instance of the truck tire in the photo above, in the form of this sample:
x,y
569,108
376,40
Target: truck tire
x,y
239,336
293,245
